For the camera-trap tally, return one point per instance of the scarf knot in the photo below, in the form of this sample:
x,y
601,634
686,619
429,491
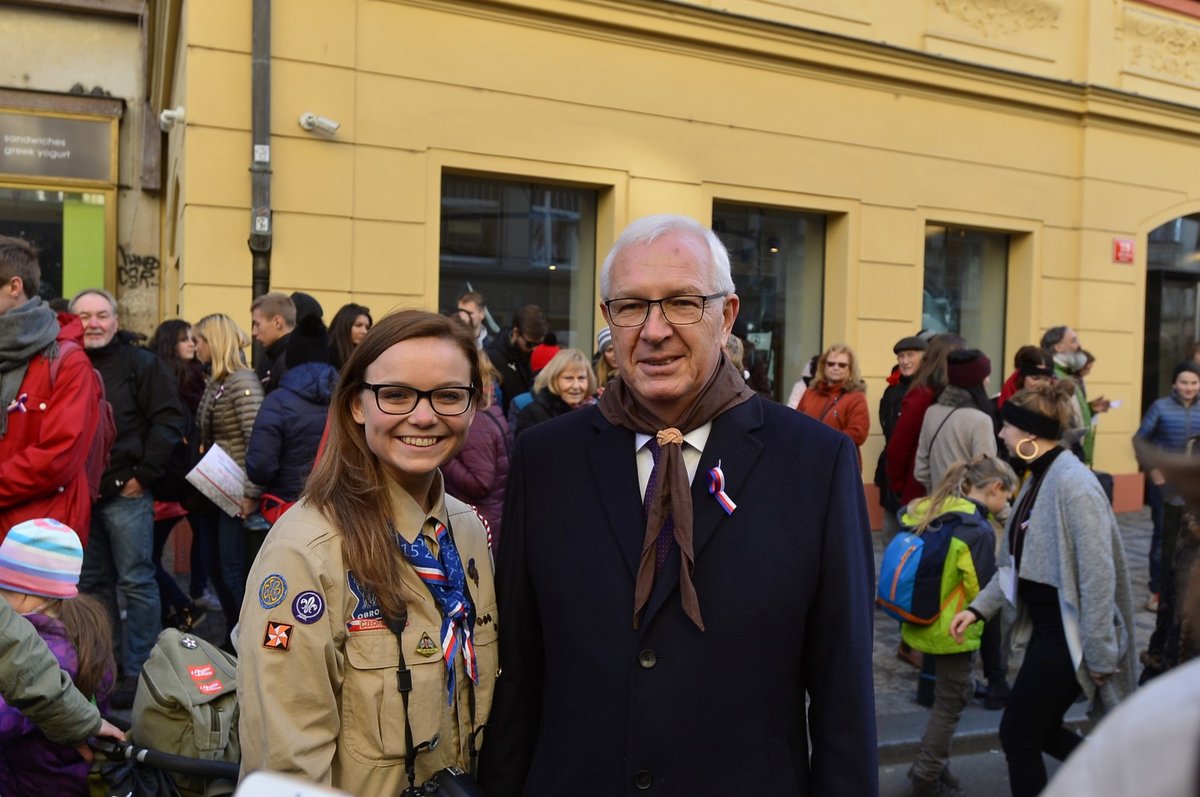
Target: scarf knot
x,y
669,436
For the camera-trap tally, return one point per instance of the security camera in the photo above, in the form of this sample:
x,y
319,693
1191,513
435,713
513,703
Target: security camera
x,y
169,118
312,122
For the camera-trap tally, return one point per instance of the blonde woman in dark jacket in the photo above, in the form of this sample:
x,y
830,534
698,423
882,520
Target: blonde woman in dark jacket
x,y
225,417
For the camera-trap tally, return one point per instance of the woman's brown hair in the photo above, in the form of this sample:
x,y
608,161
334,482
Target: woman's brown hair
x,y
87,624
932,371
1053,400
348,485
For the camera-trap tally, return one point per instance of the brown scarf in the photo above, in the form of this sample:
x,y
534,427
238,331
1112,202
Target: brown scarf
x,y
725,389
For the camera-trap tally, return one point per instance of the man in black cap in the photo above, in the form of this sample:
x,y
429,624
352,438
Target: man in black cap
x,y
909,353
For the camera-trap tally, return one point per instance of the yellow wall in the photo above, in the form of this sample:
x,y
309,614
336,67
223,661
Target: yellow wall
x,y
666,107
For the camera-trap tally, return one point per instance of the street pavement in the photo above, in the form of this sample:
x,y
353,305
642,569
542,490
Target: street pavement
x,y
901,721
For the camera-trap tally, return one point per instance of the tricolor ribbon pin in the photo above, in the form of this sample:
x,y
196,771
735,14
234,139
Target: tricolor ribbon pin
x,y
716,487
18,404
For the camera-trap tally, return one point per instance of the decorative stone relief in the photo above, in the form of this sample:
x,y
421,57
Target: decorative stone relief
x,y
1164,46
1003,17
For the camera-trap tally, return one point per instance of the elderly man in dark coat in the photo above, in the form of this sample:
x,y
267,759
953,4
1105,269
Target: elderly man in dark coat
x,y
684,565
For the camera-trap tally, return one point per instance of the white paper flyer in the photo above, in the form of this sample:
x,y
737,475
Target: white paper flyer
x,y
220,479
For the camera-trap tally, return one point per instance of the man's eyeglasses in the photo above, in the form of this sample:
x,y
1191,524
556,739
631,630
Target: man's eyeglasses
x,y
402,399
678,310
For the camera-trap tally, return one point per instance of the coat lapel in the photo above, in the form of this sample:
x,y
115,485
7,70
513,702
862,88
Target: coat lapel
x,y
733,443
614,470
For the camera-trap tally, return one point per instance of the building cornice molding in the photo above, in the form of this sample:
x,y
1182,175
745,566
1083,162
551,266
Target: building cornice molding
x,y
683,28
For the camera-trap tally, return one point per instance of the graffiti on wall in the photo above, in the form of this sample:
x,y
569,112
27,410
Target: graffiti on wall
x,y
136,271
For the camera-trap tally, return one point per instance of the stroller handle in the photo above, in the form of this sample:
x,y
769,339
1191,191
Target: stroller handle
x,y
181,765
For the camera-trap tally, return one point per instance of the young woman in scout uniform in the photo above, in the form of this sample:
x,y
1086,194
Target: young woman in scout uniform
x,y
376,570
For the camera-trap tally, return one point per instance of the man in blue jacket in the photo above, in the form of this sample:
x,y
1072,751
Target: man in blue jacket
x,y
684,564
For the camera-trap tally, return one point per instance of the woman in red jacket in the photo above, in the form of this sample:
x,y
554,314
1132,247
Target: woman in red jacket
x,y
838,395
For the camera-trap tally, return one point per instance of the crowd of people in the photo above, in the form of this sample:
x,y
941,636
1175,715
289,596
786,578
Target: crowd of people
x,y
630,501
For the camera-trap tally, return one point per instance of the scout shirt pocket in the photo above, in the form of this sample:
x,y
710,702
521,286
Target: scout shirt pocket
x,y
372,707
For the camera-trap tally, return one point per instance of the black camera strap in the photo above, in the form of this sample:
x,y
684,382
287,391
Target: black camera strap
x,y
404,685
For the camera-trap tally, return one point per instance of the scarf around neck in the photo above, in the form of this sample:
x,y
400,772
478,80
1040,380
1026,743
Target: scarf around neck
x,y
25,331
619,405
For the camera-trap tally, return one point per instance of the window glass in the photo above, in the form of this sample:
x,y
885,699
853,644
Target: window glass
x,y
966,279
777,258
521,243
68,230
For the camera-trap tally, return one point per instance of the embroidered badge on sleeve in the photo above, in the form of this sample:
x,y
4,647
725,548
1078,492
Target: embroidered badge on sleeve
x,y
308,607
272,591
278,635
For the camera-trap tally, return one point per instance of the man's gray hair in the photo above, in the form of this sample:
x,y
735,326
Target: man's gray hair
x,y
108,297
649,229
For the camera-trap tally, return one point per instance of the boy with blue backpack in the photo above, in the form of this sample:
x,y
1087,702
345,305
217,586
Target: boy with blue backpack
x,y
944,554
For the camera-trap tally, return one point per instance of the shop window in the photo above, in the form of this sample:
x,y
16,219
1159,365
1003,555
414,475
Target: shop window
x,y
777,257
966,278
68,230
521,243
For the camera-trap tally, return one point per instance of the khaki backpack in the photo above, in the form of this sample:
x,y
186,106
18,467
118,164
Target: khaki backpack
x,y
186,704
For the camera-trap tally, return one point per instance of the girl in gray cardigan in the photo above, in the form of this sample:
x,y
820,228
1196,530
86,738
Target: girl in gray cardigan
x,y
1063,583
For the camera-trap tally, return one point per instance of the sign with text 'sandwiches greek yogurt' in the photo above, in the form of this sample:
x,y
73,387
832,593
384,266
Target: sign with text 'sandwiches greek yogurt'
x,y
50,146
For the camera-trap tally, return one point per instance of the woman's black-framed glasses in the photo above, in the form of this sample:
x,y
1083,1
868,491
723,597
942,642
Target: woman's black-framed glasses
x,y
403,399
687,308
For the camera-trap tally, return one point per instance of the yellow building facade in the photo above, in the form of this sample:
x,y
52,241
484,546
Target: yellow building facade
x,y
987,165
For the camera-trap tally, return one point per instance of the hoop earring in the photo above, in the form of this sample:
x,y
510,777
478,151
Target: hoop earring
x,y
1036,449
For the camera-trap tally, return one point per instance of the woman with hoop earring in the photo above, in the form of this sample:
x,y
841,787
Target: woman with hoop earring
x,y
1062,583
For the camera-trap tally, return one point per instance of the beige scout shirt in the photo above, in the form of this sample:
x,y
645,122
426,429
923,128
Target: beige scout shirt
x,y
317,667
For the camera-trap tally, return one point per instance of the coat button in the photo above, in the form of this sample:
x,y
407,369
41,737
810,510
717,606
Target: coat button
x,y
643,779
647,659
42,406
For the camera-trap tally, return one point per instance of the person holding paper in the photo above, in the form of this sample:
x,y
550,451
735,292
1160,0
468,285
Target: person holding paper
x,y
1063,579
226,416
367,650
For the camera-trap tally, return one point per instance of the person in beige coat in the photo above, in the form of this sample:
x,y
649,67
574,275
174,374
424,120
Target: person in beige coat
x,y
225,417
376,570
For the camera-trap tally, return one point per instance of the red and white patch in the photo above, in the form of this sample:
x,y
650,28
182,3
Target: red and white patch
x,y
210,688
202,672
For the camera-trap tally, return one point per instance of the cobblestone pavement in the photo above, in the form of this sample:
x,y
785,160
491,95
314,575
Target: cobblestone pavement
x,y
896,682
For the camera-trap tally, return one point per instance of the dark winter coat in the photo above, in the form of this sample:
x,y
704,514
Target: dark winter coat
x,y
516,376
479,474
273,365
288,430
545,405
146,409
889,415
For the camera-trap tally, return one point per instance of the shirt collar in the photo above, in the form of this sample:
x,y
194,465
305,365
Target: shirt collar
x,y
407,515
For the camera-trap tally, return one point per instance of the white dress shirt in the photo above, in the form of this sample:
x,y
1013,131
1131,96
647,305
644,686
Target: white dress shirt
x,y
693,447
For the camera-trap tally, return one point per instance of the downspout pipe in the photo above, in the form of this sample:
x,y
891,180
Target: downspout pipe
x,y
260,160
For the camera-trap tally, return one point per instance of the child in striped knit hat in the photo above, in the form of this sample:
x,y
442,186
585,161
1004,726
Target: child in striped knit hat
x,y
39,570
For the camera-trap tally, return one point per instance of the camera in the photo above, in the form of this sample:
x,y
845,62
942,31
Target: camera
x,y
448,782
